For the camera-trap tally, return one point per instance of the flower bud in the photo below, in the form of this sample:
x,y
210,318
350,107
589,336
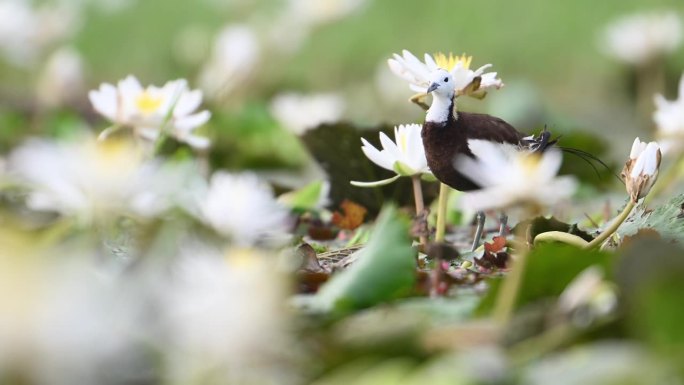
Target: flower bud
x,y
641,169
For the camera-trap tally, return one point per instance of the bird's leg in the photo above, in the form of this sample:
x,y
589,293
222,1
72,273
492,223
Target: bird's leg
x,y
480,218
419,99
503,222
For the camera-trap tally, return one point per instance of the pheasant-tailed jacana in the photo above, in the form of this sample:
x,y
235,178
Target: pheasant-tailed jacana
x,y
447,134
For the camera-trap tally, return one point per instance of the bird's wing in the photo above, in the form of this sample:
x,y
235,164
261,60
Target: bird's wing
x,y
490,128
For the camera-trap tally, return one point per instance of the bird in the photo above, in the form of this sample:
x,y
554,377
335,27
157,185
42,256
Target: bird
x,y
448,133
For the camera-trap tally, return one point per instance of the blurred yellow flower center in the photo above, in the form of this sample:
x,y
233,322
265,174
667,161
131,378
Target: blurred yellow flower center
x,y
529,163
449,62
147,103
115,157
241,257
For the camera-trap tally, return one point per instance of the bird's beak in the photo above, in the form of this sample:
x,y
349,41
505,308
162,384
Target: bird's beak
x,y
433,86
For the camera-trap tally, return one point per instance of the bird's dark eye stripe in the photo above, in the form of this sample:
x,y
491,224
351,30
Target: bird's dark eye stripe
x,y
446,79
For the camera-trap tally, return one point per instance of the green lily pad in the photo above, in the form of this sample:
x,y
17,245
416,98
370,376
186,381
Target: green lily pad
x,y
384,270
549,269
666,219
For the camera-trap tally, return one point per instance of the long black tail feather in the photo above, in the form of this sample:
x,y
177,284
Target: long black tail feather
x,y
543,141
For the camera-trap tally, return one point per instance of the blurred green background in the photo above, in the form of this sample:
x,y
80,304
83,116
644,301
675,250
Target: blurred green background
x,y
548,54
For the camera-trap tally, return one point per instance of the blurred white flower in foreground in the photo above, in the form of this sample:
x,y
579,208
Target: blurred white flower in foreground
x,y
669,119
147,109
227,319
641,169
61,81
299,113
243,208
640,38
68,326
315,12
90,179
26,32
295,23
509,178
417,73
588,297
405,156
234,58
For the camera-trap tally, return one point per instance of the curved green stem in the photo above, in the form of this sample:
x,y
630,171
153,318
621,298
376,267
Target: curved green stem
x,y
613,226
442,212
559,236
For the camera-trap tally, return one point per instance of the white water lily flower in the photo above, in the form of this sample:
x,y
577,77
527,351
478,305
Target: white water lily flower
x,y
90,179
640,38
234,58
589,296
146,110
299,113
513,178
243,208
61,80
27,31
417,73
641,169
405,156
315,12
669,119
226,318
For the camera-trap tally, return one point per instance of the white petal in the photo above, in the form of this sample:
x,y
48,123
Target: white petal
x,y
377,157
191,122
198,142
430,62
636,149
105,101
391,148
187,103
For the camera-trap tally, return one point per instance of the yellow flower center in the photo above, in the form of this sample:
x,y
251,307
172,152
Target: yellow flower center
x,y
242,257
449,62
529,163
115,157
147,103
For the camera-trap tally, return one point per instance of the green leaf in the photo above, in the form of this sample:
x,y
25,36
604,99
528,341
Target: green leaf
x,y
550,268
306,198
666,219
384,270
650,274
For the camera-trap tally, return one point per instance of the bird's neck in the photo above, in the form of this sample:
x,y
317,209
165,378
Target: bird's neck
x,y
441,110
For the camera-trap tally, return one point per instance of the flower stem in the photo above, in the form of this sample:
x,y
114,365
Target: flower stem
x,y
559,236
508,291
666,180
163,131
441,212
420,204
650,81
613,226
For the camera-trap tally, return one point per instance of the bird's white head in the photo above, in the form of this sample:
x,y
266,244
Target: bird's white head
x,y
442,89
441,84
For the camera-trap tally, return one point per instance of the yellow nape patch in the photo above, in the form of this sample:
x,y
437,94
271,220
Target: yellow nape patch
x,y
147,103
449,62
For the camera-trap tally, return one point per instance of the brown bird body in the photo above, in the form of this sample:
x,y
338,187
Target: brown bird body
x,y
443,141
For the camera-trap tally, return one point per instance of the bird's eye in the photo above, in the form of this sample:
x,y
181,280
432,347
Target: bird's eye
x,y
446,80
